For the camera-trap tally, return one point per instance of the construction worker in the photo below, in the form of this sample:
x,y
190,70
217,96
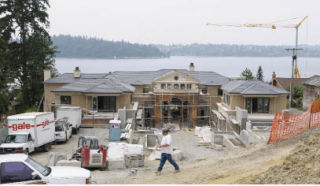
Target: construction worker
x,y
166,151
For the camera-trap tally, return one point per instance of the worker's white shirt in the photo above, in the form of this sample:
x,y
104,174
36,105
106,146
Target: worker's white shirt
x,y
166,140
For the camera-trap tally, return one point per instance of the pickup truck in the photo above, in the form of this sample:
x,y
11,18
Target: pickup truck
x,y
21,169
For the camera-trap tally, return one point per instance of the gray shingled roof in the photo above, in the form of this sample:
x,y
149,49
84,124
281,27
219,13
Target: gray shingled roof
x,y
147,77
68,77
121,81
251,87
313,81
96,86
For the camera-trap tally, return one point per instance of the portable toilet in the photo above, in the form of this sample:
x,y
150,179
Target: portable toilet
x,y
115,130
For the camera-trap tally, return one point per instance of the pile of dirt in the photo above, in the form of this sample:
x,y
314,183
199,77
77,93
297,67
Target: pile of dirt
x,y
301,167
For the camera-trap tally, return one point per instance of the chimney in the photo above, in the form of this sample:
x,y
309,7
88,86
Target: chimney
x,y
46,74
76,73
191,67
274,75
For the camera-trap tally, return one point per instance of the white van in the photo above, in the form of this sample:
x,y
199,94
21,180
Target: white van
x,y
63,130
72,113
29,131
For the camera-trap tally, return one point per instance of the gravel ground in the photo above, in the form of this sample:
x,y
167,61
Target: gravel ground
x,y
194,156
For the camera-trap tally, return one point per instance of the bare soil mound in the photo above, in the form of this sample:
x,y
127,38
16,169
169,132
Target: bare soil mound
x,y
301,167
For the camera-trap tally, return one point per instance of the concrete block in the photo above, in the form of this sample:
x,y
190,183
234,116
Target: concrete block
x,y
218,139
152,140
204,130
227,143
72,163
134,161
133,149
248,125
115,151
254,138
54,157
177,155
197,131
245,137
116,164
155,155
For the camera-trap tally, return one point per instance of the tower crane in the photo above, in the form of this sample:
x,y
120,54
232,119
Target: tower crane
x,y
274,25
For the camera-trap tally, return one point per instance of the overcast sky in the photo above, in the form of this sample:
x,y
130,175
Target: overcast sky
x,y
183,21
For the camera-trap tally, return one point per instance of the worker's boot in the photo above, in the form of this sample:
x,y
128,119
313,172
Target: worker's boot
x,y
158,173
177,171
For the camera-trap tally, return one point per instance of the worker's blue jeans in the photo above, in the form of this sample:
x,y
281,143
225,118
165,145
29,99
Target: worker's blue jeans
x,y
164,158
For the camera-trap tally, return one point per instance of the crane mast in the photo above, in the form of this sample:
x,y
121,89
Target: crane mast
x,y
295,71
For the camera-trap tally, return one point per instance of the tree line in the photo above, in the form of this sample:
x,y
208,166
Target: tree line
x,y
26,50
237,50
85,47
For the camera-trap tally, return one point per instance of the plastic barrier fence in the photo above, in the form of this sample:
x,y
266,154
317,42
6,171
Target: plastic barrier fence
x,y
287,125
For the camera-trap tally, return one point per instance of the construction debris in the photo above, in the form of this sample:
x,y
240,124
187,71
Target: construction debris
x,y
71,163
134,161
54,157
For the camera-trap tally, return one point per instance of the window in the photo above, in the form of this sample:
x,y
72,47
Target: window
x,y
29,138
169,86
176,86
257,105
189,86
15,172
21,138
183,86
43,170
65,100
220,92
227,99
94,103
106,103
176,78
163,86
145,90
204,91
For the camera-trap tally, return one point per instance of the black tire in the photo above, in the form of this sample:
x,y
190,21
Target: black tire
x,y
74,131
66,138
102,168
26,151
46,148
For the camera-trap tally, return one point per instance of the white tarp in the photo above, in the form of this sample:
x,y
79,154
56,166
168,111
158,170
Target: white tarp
x,y
197,131
133,149
116,151
204,130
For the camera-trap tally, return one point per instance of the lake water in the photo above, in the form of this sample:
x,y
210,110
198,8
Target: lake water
x,y
227,66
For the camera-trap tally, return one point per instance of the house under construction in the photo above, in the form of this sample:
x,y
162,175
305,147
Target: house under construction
x,y
178,96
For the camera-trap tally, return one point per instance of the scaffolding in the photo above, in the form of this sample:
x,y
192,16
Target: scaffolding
x,y
204,106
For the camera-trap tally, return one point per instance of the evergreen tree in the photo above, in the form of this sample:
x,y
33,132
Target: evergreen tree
x,y
4,77
30,45
260,74
247,74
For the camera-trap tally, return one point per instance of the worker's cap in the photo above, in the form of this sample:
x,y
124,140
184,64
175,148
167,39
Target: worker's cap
x,y
165,130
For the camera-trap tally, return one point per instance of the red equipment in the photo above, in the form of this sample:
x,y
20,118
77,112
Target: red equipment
x,y
90,153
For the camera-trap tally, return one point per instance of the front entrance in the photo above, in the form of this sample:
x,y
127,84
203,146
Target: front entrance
x,y
175,109
104,103
257,105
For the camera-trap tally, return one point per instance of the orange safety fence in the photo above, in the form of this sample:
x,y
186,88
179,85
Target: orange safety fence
x,y
286,125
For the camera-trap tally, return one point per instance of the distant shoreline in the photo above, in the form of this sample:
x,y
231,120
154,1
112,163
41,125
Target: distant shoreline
x,y
86,58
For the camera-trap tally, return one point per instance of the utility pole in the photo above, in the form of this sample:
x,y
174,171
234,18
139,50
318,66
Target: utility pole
x,y
293,71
